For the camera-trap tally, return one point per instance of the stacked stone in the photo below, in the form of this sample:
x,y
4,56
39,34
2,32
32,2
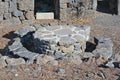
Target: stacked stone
x,y
12,12
57,40
61,39
73,8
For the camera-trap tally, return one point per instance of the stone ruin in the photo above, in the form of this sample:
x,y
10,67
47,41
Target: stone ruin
x,y
35,40
13,12
46,43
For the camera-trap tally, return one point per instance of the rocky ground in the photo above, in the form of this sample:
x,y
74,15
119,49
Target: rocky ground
x,y
101,25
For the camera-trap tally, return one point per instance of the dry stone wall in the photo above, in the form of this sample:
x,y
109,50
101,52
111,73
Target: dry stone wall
x,y
12,12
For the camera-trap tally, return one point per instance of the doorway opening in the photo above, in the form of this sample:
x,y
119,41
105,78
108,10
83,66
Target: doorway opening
x,y
47,6
107,6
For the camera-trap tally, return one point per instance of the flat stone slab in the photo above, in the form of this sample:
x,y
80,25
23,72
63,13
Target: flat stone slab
x,y
47,15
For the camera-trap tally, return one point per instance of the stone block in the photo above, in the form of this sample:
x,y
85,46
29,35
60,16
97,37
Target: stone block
x,y
47,15
1,17
30,15
7,15
13,61
11,22
24,30
17,13
12,7
26,5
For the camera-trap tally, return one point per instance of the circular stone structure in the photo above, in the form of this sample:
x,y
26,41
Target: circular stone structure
x,y
50,40
61,38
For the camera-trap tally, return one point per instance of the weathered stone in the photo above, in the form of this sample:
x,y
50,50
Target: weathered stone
x,y
87,55
7,0
12,61
74,58
25,5
101,74
7,16
109,64
104,47
66,41
24,30
12,68
11,22
53,27
2,62
53,62
44,59
67,50
59,55
12,7
30,15
77,47
47,15
16,45
17,13
1,17
23,52
63,32
60,70
3,7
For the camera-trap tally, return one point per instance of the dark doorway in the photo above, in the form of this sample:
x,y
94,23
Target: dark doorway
x,y
107,6
47,6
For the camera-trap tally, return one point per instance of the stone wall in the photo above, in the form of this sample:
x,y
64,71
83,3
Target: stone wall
x,y
73,8
15,11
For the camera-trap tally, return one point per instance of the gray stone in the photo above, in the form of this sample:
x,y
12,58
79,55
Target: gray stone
x,y
60,70
12,68
43,59
3,7
53,63
16,45
25,5
23,52
87,55
17,13
117,57
11,22
69,49
94,4
66,41
59,55
38,26
104,47
101,74
73,58
109,64
77,47
1,17
30,15
7,0
53,27
12,61
79,38
38,68
2,62
24,30
26,68
90,74
7,15
13,7
63,32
